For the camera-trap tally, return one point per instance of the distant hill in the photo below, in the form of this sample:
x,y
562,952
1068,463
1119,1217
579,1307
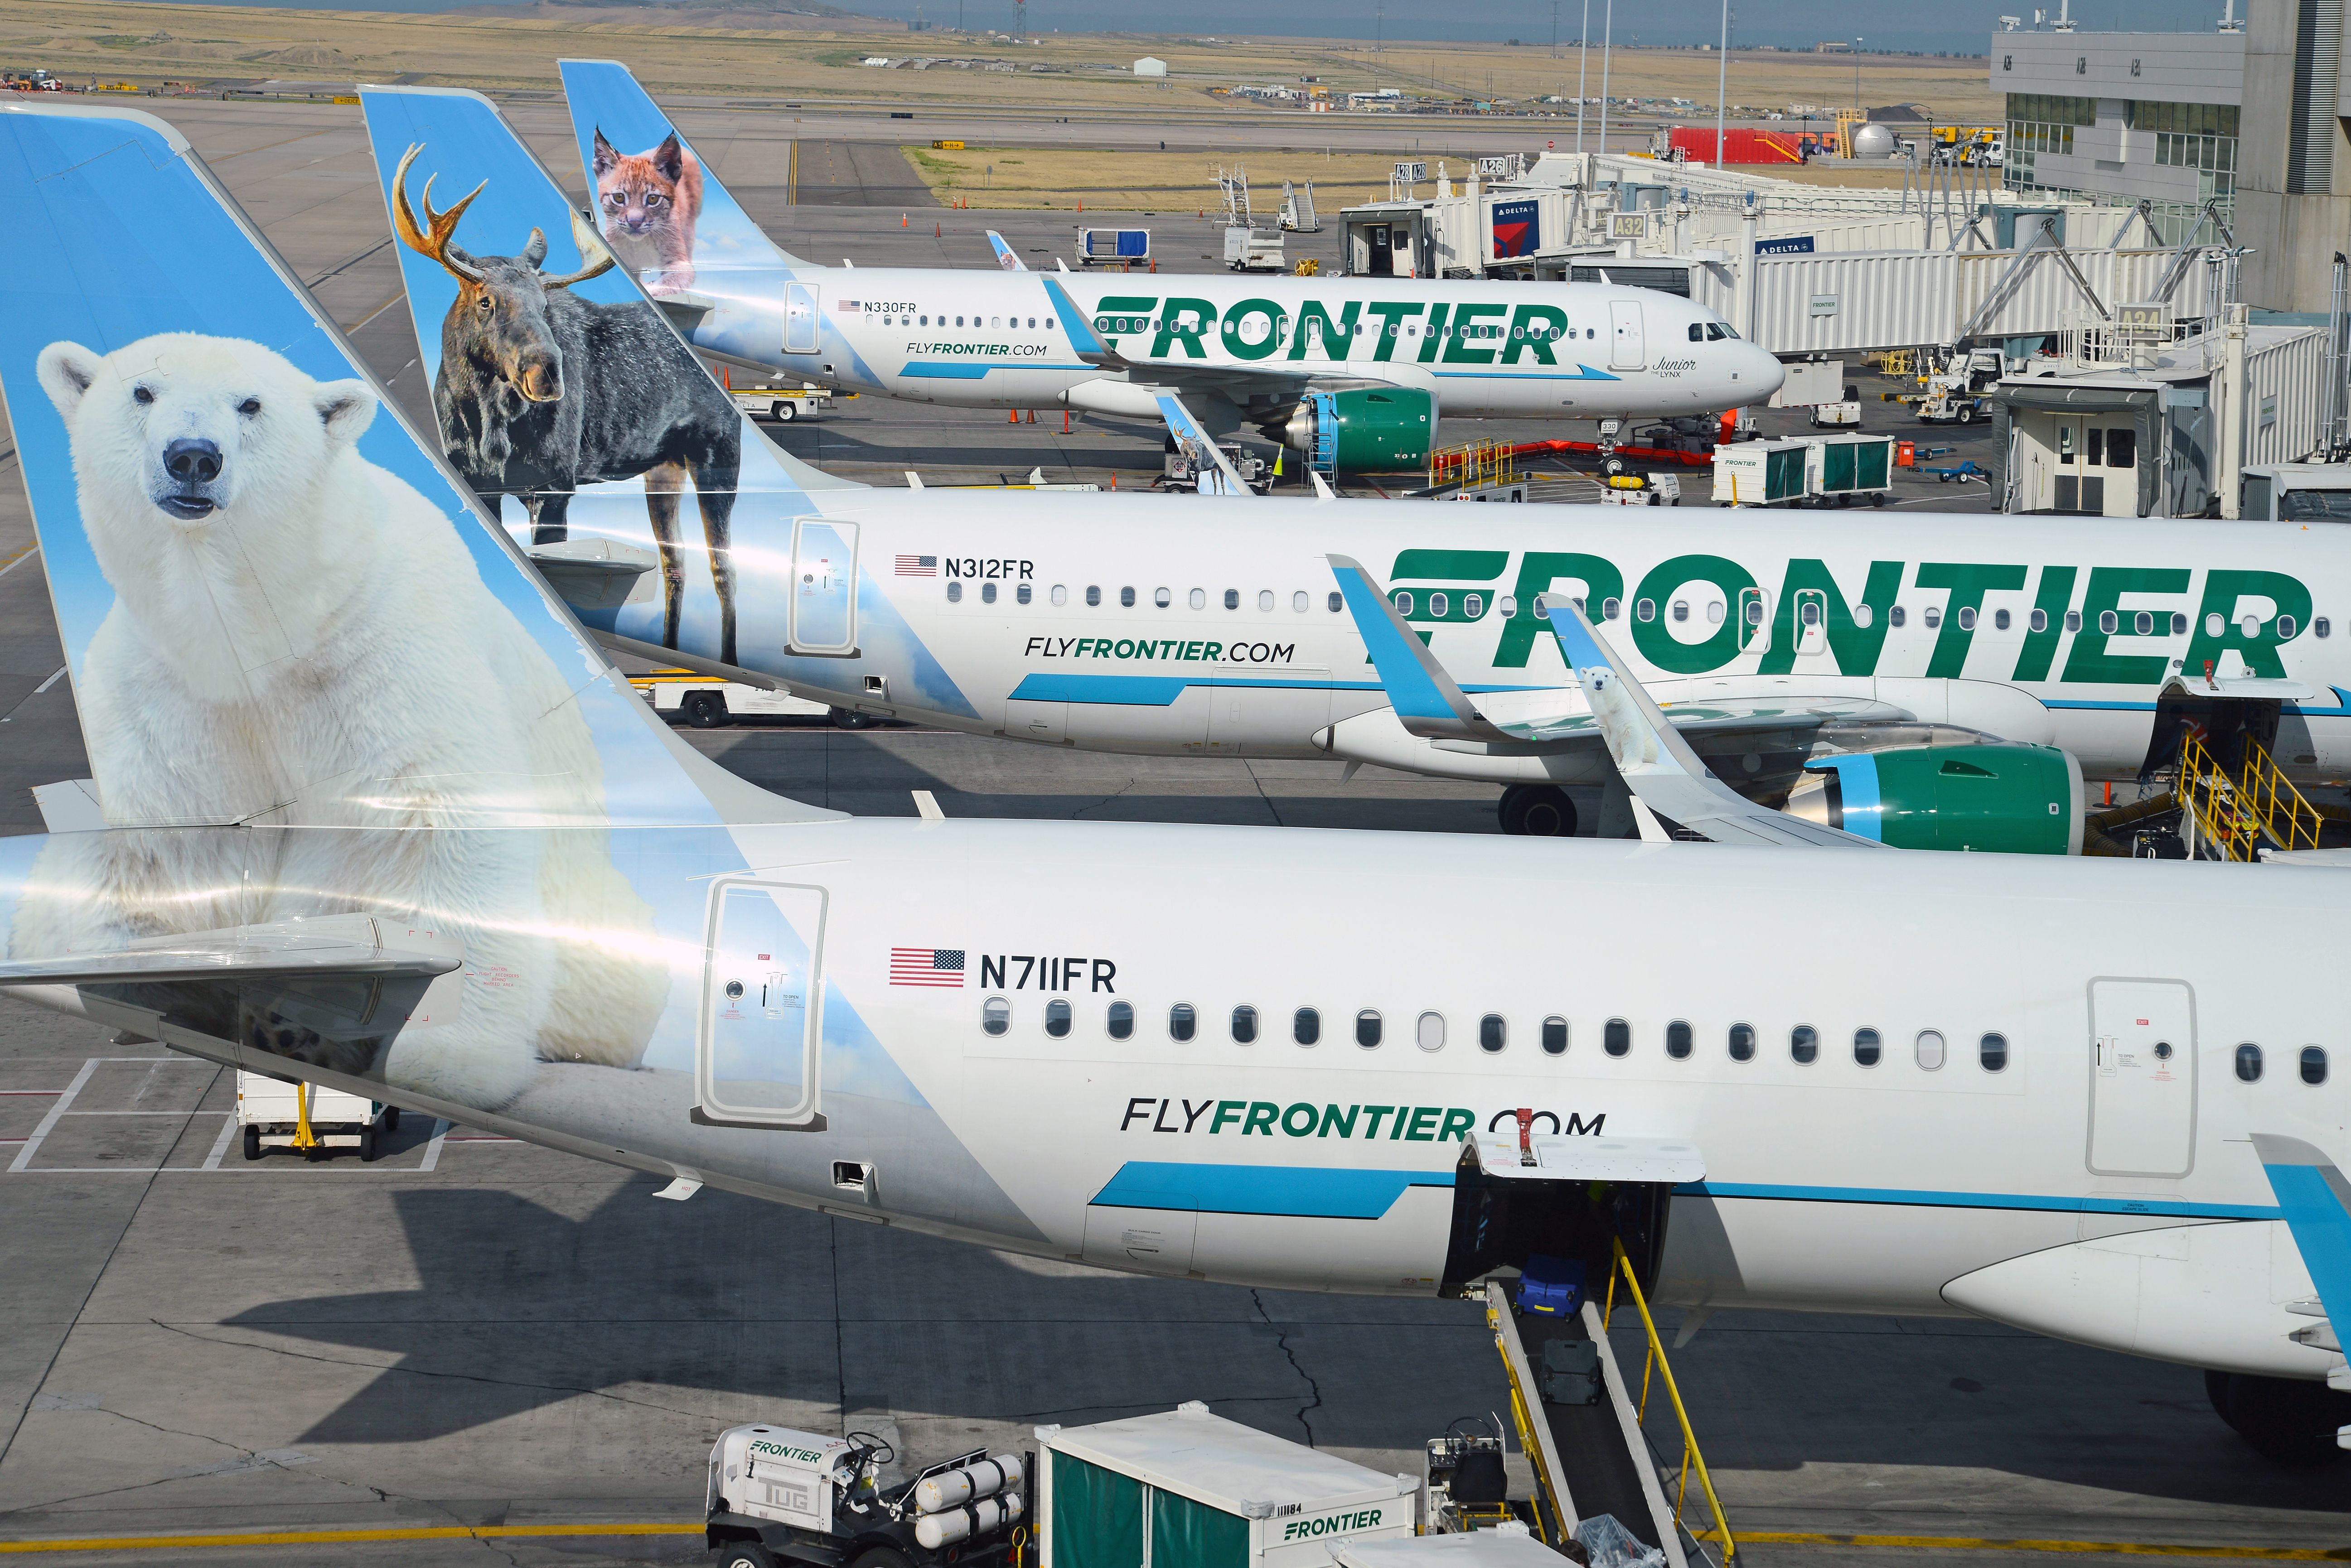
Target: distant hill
x,y
761,14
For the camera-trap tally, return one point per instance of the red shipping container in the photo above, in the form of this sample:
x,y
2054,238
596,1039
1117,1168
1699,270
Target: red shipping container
x,y
1740,145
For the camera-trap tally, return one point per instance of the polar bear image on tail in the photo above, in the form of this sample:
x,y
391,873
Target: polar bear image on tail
x,y
299,640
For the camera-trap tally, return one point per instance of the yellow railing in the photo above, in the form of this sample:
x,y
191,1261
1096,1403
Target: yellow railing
x,y
1692,1460
1475,465
2236,814
1554,1527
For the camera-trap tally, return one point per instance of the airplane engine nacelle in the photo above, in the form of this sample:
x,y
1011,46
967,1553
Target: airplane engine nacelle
x,y
1379,428
2014,799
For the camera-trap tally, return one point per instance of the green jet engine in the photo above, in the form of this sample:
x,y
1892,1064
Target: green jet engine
x,y
2013,799
1363,430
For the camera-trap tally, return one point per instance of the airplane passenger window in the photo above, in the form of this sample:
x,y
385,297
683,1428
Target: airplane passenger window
x,y
1967,618
2143,623
1093,594
995,1015
1616,1037
1437,605
1992,1052
1232,598
924,321
2110,623
1245,1026
2314,1064
1866,1047
1554,1036
1197,598
2000,620
1644,610
1492,1033
1057,1018
1126,598
1742,1043
1473,605
2213,625
1306,1026
2038,621
1061,594
2073,620
1804,1043
1022,593
1678,1039
1298,602
2250,626
1032,323
1507,606
1897,616
995,321
1715,609
1609,607
1930,1049
988,594
1430,1032
1367,1028
955,593
1338,602
1121,1020
959,321
2286,627
1265,598
1181,1021
1162,598
2249,1063
1403,603
2322,627
1681,609
1932,616
2180,623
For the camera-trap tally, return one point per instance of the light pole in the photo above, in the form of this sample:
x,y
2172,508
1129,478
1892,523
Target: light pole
x,y
1722,83
1582,63
1607,41
1856,72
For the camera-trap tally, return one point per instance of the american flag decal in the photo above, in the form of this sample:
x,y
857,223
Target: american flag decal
x,y
926,966
918,566
848,305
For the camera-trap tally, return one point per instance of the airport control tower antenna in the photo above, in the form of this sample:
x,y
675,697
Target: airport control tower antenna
x,y
1019,21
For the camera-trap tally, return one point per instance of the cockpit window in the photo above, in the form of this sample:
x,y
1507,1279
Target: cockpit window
x,y
1697,332
1717,331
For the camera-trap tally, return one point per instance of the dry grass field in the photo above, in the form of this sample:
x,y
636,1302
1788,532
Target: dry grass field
x,y
1061,177
147,44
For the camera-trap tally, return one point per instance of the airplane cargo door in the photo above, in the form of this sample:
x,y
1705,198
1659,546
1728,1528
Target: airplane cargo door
x,y
1145,1219
801,335
762,1021
1629,351
824,587
2142,1077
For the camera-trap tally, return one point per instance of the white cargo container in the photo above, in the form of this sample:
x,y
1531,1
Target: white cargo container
x,y
269,1111
1186,1488
1810,384
706,702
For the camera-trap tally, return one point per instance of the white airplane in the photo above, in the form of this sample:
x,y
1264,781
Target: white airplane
x,y
319,843
1355,373
1878,651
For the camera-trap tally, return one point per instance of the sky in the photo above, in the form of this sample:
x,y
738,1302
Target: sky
x,y
1960,26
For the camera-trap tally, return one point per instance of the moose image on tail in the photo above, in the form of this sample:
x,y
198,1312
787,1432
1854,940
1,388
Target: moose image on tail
x,y
541,391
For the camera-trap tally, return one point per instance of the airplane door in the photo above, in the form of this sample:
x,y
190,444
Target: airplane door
x,y
1629,352
801,335
1754,624
1811,620
824,587
2142,1077
762,1023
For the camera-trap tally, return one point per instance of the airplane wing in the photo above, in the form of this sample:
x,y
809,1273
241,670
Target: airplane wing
x,y
1659,766
2316,1202
285,950
1004,257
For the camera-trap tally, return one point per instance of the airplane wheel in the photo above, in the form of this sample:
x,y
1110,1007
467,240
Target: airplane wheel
x,y
1513,800
2284,1419
850,719
1538,812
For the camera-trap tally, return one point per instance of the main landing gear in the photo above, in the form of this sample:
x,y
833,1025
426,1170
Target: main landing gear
x,y
2283,1418
1538,812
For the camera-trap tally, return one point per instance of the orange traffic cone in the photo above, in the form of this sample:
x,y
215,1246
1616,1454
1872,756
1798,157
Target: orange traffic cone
x,y
1113,481
1082,206
1012,416
902,220
935,231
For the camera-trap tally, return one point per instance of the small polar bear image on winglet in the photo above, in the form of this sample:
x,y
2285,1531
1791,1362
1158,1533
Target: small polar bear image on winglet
x,y
297,638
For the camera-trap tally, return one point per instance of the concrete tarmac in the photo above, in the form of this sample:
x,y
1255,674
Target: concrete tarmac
x,y
478,1335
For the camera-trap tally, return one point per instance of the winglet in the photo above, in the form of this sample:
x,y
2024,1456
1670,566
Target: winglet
x,y
1083,341
2316,1202
1193,438
1427,702
1656,764
1004,257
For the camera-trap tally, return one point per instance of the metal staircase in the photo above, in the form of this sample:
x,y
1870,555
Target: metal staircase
x,y
2231,814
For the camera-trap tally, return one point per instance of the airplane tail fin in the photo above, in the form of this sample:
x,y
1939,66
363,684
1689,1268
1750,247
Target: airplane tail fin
x,y
1427,701
280,605
1006,257
627,144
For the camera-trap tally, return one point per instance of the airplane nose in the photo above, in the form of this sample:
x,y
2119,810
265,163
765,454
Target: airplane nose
x,y
193,461
1764,372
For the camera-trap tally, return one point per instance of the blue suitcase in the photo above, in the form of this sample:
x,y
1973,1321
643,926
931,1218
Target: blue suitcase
x,y
1552,1286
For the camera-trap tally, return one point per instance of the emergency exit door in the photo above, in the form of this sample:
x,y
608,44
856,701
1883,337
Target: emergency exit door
x,y
800,322
1629,351
762,1027
824,587
2142,1077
